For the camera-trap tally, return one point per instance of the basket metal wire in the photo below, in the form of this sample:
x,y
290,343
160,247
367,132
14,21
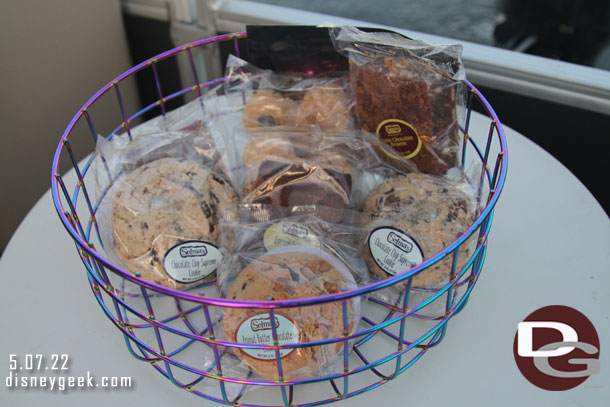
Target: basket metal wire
x,y
172,329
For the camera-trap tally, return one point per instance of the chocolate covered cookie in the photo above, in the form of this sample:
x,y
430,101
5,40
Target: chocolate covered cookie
x,y
298,187
289,176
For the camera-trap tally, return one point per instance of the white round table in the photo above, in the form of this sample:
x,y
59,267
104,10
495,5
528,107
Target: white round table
x,y
549,244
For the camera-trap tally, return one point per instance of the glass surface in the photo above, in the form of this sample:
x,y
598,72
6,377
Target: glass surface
x,y
569,30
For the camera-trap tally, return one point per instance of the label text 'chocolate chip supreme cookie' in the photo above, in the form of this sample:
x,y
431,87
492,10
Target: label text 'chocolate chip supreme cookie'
x,y
191,261
393,250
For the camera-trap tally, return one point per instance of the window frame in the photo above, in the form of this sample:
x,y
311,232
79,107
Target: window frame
x,y
505,70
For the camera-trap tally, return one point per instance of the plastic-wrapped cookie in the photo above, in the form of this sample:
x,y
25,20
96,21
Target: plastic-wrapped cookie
x,y
412,217
288,273
267,108
165,221
325,106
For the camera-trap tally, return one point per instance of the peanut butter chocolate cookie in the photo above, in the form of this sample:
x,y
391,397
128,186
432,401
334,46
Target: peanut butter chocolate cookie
x,y
293,272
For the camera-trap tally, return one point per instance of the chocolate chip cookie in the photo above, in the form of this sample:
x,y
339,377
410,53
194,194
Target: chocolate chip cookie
x,y
166,204
412,217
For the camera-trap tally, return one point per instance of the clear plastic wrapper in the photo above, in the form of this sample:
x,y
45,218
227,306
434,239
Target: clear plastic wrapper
x,y
290,99
299,172
254,237
190,117
164,196
411,217
410,93
253,101
297,257
328,175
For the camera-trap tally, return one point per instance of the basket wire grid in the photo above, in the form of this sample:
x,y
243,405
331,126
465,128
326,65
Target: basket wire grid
x,y
173,329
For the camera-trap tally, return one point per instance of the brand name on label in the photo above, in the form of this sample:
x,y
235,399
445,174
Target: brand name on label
x,y
193,251
294,230
392,129
400,243
262,324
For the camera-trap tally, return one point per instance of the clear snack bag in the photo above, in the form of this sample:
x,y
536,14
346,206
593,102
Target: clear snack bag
x,y
290,99
299,172
290,258
407,219
164,197
410,93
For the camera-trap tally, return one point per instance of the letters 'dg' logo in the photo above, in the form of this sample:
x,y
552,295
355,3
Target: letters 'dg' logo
x,y
556,348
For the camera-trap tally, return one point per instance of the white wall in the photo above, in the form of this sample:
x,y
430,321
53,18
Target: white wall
x,y
54,55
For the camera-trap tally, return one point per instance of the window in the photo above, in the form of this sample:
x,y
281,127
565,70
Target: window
x,y
568,30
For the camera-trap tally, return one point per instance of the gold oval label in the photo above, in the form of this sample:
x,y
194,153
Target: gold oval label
x,y
401,136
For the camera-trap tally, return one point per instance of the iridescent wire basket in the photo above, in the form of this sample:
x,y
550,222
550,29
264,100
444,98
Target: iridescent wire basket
x,y
173,330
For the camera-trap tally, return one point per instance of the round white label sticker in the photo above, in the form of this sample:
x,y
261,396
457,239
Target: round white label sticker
x,y
191,261
289,234
256,330
393,250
